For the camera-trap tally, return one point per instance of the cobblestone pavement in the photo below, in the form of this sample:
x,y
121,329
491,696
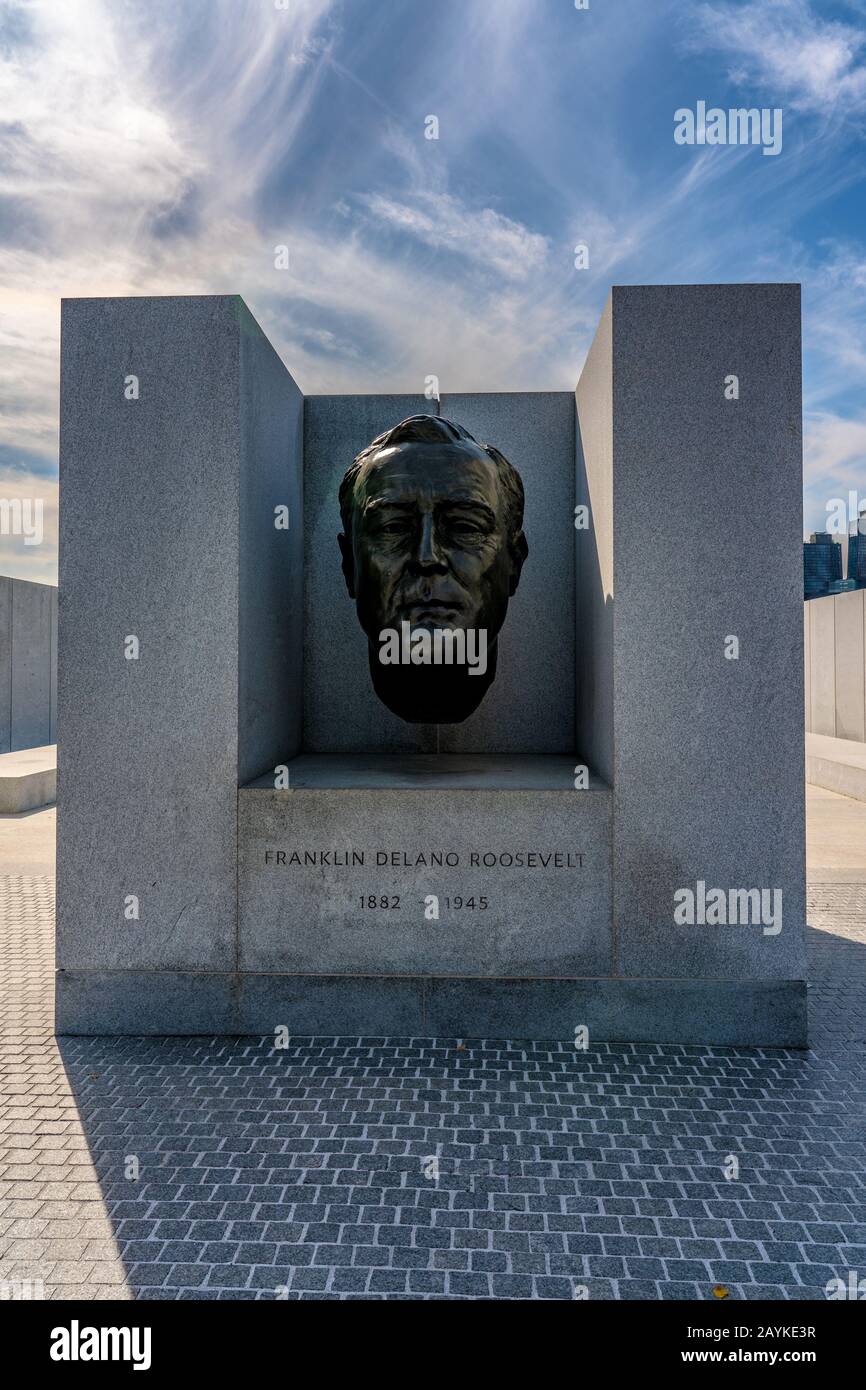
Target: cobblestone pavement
x,y
306,1173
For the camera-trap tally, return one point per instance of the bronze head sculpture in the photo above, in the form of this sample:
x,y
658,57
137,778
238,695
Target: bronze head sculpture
x,y
432,548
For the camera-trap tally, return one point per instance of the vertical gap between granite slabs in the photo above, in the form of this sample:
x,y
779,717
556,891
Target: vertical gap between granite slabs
x,y
438,413
614,766
864,646
240,481
235,982
50,665
54,643
11,659
12,584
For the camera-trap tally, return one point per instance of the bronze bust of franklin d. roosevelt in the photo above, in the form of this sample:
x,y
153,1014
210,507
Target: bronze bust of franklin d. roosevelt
x,y
432,548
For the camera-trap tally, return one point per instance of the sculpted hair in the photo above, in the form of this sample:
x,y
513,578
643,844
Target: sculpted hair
x,y
434,429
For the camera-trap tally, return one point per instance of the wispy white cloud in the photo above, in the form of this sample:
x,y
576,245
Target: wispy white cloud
x,y
833,273
837,449
788,53
167,149
835,418
815,64
142,175
481,235
473,334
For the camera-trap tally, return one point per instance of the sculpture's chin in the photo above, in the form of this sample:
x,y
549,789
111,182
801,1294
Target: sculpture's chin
x,y
431,695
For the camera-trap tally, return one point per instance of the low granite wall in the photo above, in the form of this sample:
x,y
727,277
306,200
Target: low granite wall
x,y
28,664
834,629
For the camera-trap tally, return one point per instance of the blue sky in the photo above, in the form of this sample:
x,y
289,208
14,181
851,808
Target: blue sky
x,y
169,147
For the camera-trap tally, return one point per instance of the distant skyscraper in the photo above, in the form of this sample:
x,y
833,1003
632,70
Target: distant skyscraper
x,y
857,553
822,564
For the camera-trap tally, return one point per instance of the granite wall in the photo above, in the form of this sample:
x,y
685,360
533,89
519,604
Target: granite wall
x,y
834,631
659,643
28,664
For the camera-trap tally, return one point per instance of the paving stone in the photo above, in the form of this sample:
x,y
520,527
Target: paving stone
x,y
305,1170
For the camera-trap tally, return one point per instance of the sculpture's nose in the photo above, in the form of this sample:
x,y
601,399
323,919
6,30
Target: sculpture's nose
x,y
428,555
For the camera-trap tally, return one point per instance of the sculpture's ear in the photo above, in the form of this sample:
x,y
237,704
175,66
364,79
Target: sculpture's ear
x,y
348,563
519,552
